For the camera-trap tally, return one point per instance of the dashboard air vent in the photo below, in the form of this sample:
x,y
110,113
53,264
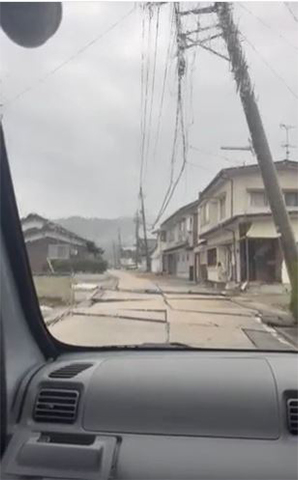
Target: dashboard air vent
x,y
56,405
292,410
70,371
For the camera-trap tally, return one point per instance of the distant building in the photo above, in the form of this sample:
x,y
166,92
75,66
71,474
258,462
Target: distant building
x,y
177,237
46,241
237,238
128,254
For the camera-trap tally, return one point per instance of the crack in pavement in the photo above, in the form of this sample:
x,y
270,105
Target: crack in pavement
x,y
116,315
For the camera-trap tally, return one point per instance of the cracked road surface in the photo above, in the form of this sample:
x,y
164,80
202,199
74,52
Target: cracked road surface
x,y
136,309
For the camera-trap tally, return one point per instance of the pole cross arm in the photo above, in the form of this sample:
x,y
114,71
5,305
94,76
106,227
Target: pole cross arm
x,y
196,11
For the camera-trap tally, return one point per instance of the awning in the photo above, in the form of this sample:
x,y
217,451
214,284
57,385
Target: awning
x,y
180,246
262,230
200,245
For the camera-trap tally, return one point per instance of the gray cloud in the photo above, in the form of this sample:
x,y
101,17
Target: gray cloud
x,y
74,140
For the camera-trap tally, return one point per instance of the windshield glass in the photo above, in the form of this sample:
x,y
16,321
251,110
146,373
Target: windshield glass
x,y
152,152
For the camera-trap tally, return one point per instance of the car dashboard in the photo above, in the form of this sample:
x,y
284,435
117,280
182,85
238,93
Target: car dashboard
x,y
157,415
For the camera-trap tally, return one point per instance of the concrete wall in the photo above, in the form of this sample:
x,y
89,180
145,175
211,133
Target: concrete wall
x,y
156,264
242,184
175,235
223,190
184,261
54,287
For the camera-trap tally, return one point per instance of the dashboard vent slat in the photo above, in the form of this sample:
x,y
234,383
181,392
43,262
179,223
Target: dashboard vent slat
x,y
70,371
292,409
56,405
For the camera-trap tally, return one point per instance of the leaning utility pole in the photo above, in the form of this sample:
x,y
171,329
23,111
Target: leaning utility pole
x,y
281,218
148,266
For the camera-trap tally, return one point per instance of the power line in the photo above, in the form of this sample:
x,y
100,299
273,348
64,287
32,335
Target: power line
x,y
222,157
291,11
173,156
181,67
152,87
70,59
143,141
182,167
270,67
201,167
162,97
267,26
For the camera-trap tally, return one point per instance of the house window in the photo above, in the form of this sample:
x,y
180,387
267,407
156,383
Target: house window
x,y
205,214
258,199
58,251
291,199
222,207
211,257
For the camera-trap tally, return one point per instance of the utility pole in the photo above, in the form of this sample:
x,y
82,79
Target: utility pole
x,y
148,266
287,144
119,247
137,237
114,255
260,143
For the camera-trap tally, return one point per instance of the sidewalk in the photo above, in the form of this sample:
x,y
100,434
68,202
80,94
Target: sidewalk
x,y
271,308
273,311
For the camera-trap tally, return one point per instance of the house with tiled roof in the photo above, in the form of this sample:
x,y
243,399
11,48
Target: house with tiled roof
x,y
47,241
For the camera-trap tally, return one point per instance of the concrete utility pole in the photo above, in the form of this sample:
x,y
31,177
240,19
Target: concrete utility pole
x,y
137,237
148,266
114,255
260,144
119,247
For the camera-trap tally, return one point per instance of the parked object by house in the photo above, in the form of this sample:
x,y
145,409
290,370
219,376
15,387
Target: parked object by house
x,y
48,242
237,238
176,238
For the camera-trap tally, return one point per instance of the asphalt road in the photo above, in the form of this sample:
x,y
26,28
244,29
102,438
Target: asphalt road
x,y
133,309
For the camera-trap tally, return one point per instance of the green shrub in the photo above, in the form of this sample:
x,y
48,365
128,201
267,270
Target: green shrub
x,y
96,265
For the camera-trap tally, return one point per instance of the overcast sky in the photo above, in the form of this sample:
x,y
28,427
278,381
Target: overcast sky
x,y
74,138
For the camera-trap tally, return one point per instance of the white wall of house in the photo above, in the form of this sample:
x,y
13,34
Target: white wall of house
x,y
246,184
179,230
248,198
185,259
216,208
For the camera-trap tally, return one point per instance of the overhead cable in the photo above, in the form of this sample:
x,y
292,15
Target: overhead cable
x,y
70,59
269,27
146,153
270,67
291,11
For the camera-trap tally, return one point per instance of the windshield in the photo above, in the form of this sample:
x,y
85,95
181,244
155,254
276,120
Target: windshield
x,y
152,151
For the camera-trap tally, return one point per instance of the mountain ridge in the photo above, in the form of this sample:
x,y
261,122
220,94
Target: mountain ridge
x,y
103,231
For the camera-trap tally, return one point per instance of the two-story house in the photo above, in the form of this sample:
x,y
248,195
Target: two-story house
x,y
237,238
177,236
